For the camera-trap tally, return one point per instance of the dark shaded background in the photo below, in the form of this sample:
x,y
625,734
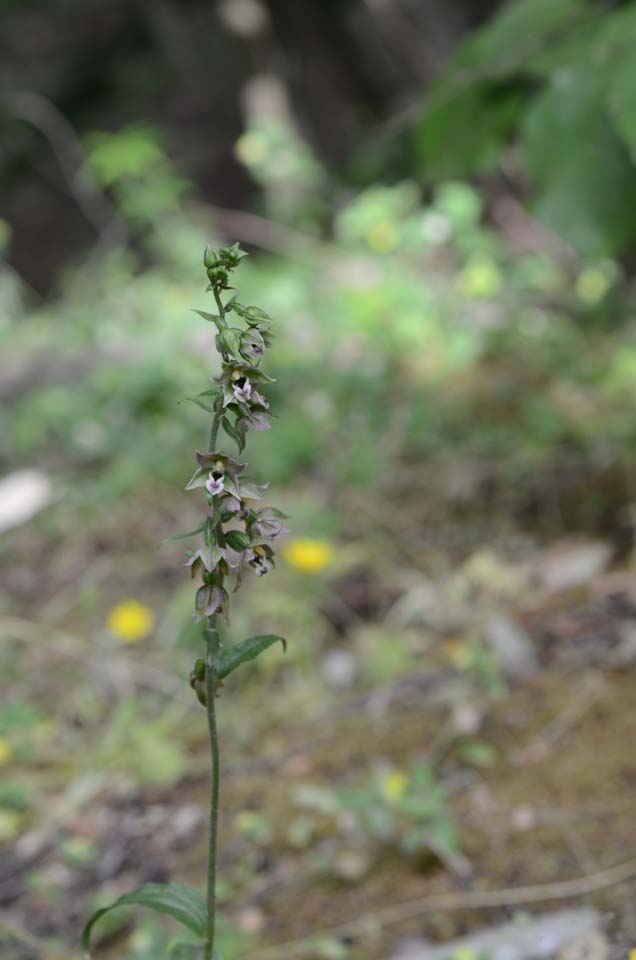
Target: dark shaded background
x,y
184,66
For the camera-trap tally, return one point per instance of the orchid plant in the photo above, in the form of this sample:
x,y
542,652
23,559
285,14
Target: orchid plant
x,y
237,535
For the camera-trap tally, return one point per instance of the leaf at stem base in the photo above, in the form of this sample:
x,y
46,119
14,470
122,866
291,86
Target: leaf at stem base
x,y
172,899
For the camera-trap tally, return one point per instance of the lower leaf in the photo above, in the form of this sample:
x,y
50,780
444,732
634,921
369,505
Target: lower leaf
x,y
248,649
172,899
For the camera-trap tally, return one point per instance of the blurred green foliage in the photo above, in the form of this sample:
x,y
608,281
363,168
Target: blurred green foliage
x,y
416,329
560,77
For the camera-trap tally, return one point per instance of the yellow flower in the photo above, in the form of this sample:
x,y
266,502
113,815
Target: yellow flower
x,y
591,286
382,237
394,785
251,148
10,824
6,752
480,279
130,621
308,556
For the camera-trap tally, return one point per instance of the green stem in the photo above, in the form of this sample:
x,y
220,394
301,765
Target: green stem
x,y
210,689
220,304
218,405
216,423
212,642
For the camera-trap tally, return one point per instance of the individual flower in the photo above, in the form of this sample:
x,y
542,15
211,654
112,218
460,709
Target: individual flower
x,y
6,752
394,785
210,600
268,523
592,284
236,375
261,559
308,556
215,466
130,621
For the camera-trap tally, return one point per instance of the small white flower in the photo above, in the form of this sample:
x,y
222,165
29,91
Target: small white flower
x,y
214,485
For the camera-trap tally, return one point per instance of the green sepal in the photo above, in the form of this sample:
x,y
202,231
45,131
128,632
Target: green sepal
x,y
226,662
183,536
185,905
210,555
250,490
198,479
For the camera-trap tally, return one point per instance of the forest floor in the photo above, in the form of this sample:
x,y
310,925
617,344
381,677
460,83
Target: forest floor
x,y
509,673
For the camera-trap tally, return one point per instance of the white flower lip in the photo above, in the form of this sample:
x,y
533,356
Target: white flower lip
x,y
244,392
214,485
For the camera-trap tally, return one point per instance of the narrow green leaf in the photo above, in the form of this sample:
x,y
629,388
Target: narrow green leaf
x,y
248,649
172,899
184,536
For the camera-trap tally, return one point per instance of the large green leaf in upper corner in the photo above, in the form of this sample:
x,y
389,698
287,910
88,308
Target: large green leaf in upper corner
x,y
616,53
475,105
580,173
520,29
464,134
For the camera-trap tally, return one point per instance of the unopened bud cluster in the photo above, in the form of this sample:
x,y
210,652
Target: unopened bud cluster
x,y
238,531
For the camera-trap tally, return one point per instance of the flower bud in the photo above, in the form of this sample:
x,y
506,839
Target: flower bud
x,y
237,540
218,274
209,258
197,682
198,671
